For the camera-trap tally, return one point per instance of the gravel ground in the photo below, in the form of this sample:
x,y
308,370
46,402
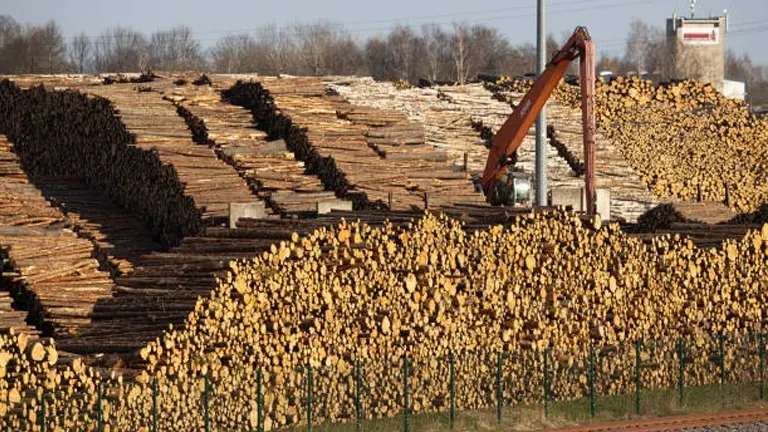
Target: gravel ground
x,y
752,427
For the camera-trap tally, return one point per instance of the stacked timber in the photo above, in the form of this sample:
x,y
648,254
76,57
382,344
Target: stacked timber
x,y
49,270
337,149
330,296
686,140
118,236
65,134
427,290
210,183
270,169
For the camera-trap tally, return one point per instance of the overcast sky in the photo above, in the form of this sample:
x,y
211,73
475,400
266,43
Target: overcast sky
x,y
607,20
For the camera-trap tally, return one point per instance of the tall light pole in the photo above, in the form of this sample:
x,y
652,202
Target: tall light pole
x,y
541,120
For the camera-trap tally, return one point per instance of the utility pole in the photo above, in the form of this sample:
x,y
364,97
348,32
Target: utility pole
x,y
541,120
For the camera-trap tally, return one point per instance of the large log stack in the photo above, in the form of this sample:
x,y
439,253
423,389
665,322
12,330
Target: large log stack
x,y
686,140
354,292
209,183
270,169
347,152
69,134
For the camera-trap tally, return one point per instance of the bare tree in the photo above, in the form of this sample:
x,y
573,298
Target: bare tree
x,y
377,59
175,49
461,49
80,51
231,54
401,43
436,62
120,49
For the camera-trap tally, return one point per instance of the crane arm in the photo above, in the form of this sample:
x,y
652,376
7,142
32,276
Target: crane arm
x,y
508,139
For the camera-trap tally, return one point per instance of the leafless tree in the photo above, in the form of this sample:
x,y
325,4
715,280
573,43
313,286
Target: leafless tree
x,y
436,62
120,49
231,54
175,49
80,51
461,49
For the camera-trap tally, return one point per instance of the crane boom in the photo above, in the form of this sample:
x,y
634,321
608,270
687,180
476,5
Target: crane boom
x,y
508,139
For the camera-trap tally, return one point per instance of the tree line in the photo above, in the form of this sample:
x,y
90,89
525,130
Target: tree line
x,y
438,53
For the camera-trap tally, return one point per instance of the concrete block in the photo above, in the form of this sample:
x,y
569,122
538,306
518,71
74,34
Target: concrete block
x,y
252,210
576,198
326,206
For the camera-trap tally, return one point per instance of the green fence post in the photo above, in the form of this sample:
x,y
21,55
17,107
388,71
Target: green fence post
x,y
452,387
259,403
498,387
154,405
592,381
681,364
99,410
358,406
761,355
721,349
43,423
638,377
546,382
406,425
309,397
206,404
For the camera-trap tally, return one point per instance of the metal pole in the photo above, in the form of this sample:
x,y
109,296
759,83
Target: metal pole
x,y
206,405
541,120
154,405
99,411
452,387
406,425
761,355
43,426
259,403
681,362
592,381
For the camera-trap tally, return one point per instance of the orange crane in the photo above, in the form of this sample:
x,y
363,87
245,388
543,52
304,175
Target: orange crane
x,y
498,181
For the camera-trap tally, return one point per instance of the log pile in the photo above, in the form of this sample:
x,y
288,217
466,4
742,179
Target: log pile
x,y
71,135
50,272
272,171
210,183
686,140
356,292
118,236
338,150
424,289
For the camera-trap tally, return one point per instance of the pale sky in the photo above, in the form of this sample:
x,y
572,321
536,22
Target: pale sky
x,y
607,20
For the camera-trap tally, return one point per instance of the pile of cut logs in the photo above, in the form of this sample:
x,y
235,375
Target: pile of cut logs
x,y
68,134
686,139
365,155
375,294
270,169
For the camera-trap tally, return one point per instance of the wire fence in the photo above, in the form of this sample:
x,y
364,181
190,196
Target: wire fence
x,y
645,378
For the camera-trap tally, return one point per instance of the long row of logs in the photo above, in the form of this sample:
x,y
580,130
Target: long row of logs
x,y
69,134
338,142
270,169
210,184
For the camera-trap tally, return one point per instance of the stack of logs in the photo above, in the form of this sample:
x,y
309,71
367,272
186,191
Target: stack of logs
x,y
686,139
427,289
49,271
356,292
68,134
341,144
272,171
